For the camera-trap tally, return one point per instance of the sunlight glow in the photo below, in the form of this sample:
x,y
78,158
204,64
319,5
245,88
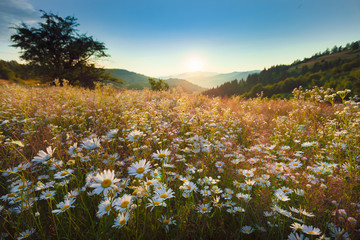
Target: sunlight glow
x,y
194,64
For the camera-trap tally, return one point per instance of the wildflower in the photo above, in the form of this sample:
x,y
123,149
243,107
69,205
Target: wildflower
x,y
64,206
103,182
204,208
47,194
26,233
21,167
161,154
111,134
247,229
63,174
248,173
121,220
91,143
156,202
72,193
135,135
296,236
296,226
243,196
104,208
352,220
121,204
163,193
281,196
239,209
310,230
43,156
139,169
167,221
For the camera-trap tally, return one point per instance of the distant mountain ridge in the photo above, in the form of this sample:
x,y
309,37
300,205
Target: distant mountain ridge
x,y
211,79
139,81
338,68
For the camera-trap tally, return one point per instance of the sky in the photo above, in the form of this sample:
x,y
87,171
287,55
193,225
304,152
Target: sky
x,y
168,37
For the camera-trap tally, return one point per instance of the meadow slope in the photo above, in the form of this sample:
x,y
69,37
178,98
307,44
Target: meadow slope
x,y
123,164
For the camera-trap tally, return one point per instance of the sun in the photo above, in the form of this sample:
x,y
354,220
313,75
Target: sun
x,y
194,64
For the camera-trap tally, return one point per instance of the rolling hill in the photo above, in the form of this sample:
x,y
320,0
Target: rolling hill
x,y
211,79
134,80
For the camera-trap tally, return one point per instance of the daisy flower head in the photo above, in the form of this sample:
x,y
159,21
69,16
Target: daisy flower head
x,y
43,156
296,236
104,208
163,193
156,202
63,174
47,194
204,208
139,169
247,229
123,203
64,206
90,143
121,220
310,230
26,233
161,154
103,182
135,135
166,221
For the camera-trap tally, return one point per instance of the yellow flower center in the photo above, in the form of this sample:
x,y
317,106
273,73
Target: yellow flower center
x,y
166,222
124,204
21,186
136,192
12,194
162,155
163,195
149,183
106,183
26,235
136,136
285,190
247,231
204,209
122,222
64,174
65,207
48,195
112,158
20,168
310,232
105,156
140,170
72,196
156,203
108,207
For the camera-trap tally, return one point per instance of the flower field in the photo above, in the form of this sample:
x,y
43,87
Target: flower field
x,y
122,164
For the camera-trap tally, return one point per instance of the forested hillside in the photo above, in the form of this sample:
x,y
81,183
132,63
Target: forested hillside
x,y
338,68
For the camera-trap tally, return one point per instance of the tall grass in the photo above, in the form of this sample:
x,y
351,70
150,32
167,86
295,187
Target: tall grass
x,y
121,164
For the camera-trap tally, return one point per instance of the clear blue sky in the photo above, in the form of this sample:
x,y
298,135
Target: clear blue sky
x,y
163,37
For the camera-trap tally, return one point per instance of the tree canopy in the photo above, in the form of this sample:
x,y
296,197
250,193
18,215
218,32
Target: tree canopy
x,y
56,50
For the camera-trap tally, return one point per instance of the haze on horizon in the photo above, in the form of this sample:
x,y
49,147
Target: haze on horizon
x,y
162,37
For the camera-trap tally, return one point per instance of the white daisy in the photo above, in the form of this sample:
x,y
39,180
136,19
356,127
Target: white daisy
x,y
139,169
103,182
121,220
64,206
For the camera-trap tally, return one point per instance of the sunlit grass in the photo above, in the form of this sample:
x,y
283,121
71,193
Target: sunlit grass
x,y
121,164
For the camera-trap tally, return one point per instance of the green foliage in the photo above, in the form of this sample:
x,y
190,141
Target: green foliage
x,y
158,85
56,51
335,71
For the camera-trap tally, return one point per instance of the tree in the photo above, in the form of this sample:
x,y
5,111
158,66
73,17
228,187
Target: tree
x,y
158,85
56,50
